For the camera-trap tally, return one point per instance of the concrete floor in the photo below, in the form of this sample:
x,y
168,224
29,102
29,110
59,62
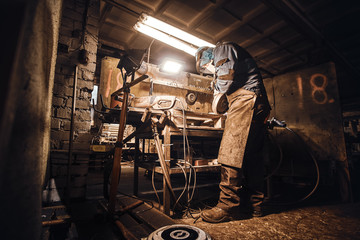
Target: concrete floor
x,y
316,218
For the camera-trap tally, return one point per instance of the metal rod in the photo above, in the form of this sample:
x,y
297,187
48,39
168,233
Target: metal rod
x,y
71,138
136,167
129,85
115,176
163,164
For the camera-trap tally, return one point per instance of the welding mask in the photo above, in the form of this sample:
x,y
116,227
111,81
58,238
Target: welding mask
x,y
203,56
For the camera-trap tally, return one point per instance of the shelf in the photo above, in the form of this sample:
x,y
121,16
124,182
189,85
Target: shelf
x,y
177,170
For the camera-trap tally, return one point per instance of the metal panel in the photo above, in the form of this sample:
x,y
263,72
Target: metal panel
x,y
308,101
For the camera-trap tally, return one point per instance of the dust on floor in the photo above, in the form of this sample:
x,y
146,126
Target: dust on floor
x,y
330,222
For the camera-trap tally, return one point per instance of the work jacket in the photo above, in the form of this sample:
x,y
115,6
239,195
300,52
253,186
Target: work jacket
x,y
235,69
238,76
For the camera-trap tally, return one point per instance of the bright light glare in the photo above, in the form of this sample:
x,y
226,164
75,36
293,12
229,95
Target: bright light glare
x,y
171,67
165,38
164,27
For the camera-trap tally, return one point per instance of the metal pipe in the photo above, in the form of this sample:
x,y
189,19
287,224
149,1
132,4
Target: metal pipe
x,y
71,137
115,176
129,85
162,160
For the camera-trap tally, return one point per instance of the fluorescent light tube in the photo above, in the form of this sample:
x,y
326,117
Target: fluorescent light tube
x,y
165,38
164,27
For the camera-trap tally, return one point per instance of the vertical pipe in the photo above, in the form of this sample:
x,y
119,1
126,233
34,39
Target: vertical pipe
x,y
115,176
136,166
166,186
71,138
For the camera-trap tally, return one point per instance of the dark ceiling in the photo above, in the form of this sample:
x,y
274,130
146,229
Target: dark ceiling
x,y
282,35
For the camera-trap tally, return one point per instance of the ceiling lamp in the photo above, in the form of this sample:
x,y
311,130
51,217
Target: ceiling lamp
x,y
165,38
170,35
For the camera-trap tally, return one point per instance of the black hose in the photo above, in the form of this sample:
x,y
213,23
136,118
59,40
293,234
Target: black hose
x,y
280,157
316,168
315,164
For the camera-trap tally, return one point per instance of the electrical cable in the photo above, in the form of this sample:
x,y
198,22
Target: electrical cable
x,y
272,139
153,185
182,193
184,129
148,54
315,165
194,187
187,155
192,167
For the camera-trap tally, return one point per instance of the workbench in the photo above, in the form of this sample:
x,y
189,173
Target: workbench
x,y
199,127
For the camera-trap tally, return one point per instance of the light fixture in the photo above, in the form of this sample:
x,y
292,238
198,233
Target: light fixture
x,y
165,38
171,66
169,34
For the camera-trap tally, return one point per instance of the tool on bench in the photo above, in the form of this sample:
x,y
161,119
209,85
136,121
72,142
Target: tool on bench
x,y
155,102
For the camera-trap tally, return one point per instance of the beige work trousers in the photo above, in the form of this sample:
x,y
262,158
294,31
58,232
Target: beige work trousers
x,y
242,173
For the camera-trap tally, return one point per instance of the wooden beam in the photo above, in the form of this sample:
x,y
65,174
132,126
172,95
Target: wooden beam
x,y
290,13
105,13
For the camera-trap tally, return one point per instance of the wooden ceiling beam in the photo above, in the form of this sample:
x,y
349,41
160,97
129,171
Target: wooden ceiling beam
x,y
122,7
291,13
242,21
104,14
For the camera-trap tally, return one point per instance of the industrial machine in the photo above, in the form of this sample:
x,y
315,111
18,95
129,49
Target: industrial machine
x,y
176,113
176,127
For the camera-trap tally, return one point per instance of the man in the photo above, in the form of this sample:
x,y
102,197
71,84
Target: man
x,y
240,154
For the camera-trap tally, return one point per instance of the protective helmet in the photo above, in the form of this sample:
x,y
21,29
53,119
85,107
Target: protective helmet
x,y
203,56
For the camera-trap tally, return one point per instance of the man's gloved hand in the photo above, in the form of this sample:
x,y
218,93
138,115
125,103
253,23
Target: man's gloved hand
x,y
213,87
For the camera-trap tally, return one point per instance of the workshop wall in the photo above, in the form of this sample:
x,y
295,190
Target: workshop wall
x,y
77,32
25,119
352,140
308,101
78,41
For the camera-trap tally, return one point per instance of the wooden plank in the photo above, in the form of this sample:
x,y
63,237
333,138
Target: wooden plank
x,y
151,216
195,115
79,181
133,228
61,170
202,168
198,132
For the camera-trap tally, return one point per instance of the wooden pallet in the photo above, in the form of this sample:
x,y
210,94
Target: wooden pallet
x,y
136,219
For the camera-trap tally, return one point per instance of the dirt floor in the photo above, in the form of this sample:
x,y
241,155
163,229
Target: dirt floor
x,y
340,221
319,219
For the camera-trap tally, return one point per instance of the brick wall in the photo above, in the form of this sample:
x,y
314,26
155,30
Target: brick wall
x,y
79,30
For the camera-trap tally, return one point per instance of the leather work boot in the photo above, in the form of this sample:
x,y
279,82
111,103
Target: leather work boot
x,y
215,215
